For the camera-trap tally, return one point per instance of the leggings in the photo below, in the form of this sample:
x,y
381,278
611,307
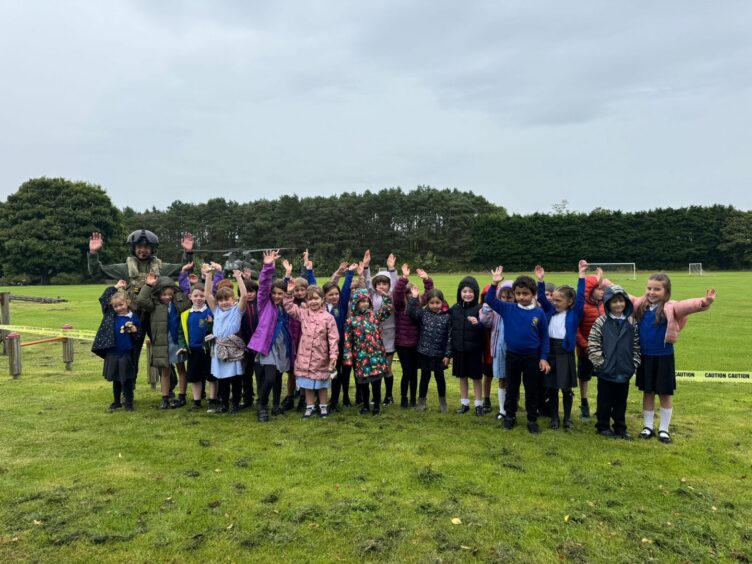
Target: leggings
x,y
248,378
225,384
341,383
376,388
126,388
408,357
269,380
425,378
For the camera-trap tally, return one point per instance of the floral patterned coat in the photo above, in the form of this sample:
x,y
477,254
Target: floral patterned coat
x,y
364,348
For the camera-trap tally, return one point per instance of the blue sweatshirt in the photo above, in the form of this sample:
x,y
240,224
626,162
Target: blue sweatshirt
x,y
573,315
340,310
525,330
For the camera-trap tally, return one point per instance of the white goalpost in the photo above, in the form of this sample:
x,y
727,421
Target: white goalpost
x,y
695,269
625,269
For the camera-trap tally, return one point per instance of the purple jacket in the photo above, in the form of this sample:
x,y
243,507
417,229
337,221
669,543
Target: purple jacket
x,y
261,341
407,331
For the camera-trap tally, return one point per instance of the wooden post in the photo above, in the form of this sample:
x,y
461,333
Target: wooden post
x,y
13,341
154,375
4,317
68,348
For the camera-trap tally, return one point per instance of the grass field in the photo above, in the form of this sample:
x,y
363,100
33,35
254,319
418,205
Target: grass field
x,y
80,484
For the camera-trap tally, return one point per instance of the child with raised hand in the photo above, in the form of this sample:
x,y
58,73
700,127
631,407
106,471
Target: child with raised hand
x,y
383,284
317,352
614,350
563,313
467,344
116,340
364,350
498,346
434,344
271,341
195,325
228,348
406,334
248,325
594,288
164,301
660,320
337,303
526,335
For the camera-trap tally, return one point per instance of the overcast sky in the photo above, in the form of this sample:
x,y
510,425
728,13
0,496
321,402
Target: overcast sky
x,y
623,105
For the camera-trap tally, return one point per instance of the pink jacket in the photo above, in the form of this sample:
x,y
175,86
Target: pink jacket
x,y
319,340
676,313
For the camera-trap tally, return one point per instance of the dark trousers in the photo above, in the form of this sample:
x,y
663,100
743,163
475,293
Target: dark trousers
x,y
268,380
376,389
341,384
612,404
408,357
126,389
225,385
553,404
250,358
425,378
523,368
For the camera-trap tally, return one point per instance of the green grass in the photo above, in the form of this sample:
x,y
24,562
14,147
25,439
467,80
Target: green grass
x,y
80,484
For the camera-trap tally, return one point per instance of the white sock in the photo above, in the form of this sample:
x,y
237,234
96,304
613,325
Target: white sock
x,y
665,419
322,405
465,402
502,398
478,403
648,417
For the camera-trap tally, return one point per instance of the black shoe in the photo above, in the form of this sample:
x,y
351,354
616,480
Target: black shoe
x,y
500,417
479,412
533,428
413,403
195,406
624,435
180,402
224,409
288,403
346,402
607,433
463,409
234,409
554,423
509,422
165,404
308,413
487,408
263,416
364,410
376,411
568,423
585,411
129,407
114,406
664,437
404,404
301,404
388,400
324,412
276,411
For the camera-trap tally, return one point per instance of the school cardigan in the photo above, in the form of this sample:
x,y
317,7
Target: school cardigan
x,y
573,315
525,330
676,313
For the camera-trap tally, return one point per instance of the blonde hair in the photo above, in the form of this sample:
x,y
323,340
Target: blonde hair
x,y
121,296
301,282
224,293
314,289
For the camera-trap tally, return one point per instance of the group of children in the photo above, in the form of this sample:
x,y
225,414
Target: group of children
x,y
521,333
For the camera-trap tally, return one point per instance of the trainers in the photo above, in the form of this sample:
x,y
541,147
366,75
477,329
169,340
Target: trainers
x,y
509,422
234,409
388,400
195,406
263,416
165,404
463,409
176,403
533,428
487,408
114,406
376,411
479,411
568,423
607,433
308,413
276,411
324,412
212,408
404,404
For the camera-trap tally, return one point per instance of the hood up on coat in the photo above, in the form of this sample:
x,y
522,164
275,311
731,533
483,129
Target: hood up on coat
x,y
359,294
615,290
472,283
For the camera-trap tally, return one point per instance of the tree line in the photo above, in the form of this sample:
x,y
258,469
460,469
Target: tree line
x,y
47,222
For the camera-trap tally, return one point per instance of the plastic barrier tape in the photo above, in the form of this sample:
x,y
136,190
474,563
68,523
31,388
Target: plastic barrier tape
x,y
80,334
712,376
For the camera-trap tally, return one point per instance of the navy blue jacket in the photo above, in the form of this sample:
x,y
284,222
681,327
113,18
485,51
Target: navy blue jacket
x,y
573,315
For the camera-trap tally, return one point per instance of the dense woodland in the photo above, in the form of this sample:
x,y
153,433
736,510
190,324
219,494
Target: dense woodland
x,y
46,225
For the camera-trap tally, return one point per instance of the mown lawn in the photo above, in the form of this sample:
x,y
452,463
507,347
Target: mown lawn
x,y
80,484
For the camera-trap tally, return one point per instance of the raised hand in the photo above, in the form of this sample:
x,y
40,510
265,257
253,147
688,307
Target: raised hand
x,y
583,267
271,256
290,286
187,267
151,279
95,243
342,268
391,260
238,275
353,267
288,268
206,269
308,263
405,271
539,272
121,284
305,256
414,292
497,275
215,266
367,259
361,268
599,274
421,273
187,242
710,296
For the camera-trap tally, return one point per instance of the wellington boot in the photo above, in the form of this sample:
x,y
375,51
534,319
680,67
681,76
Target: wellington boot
x,y
421,404
443,405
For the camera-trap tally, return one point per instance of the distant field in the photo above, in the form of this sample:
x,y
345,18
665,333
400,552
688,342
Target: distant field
x,y
79,484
